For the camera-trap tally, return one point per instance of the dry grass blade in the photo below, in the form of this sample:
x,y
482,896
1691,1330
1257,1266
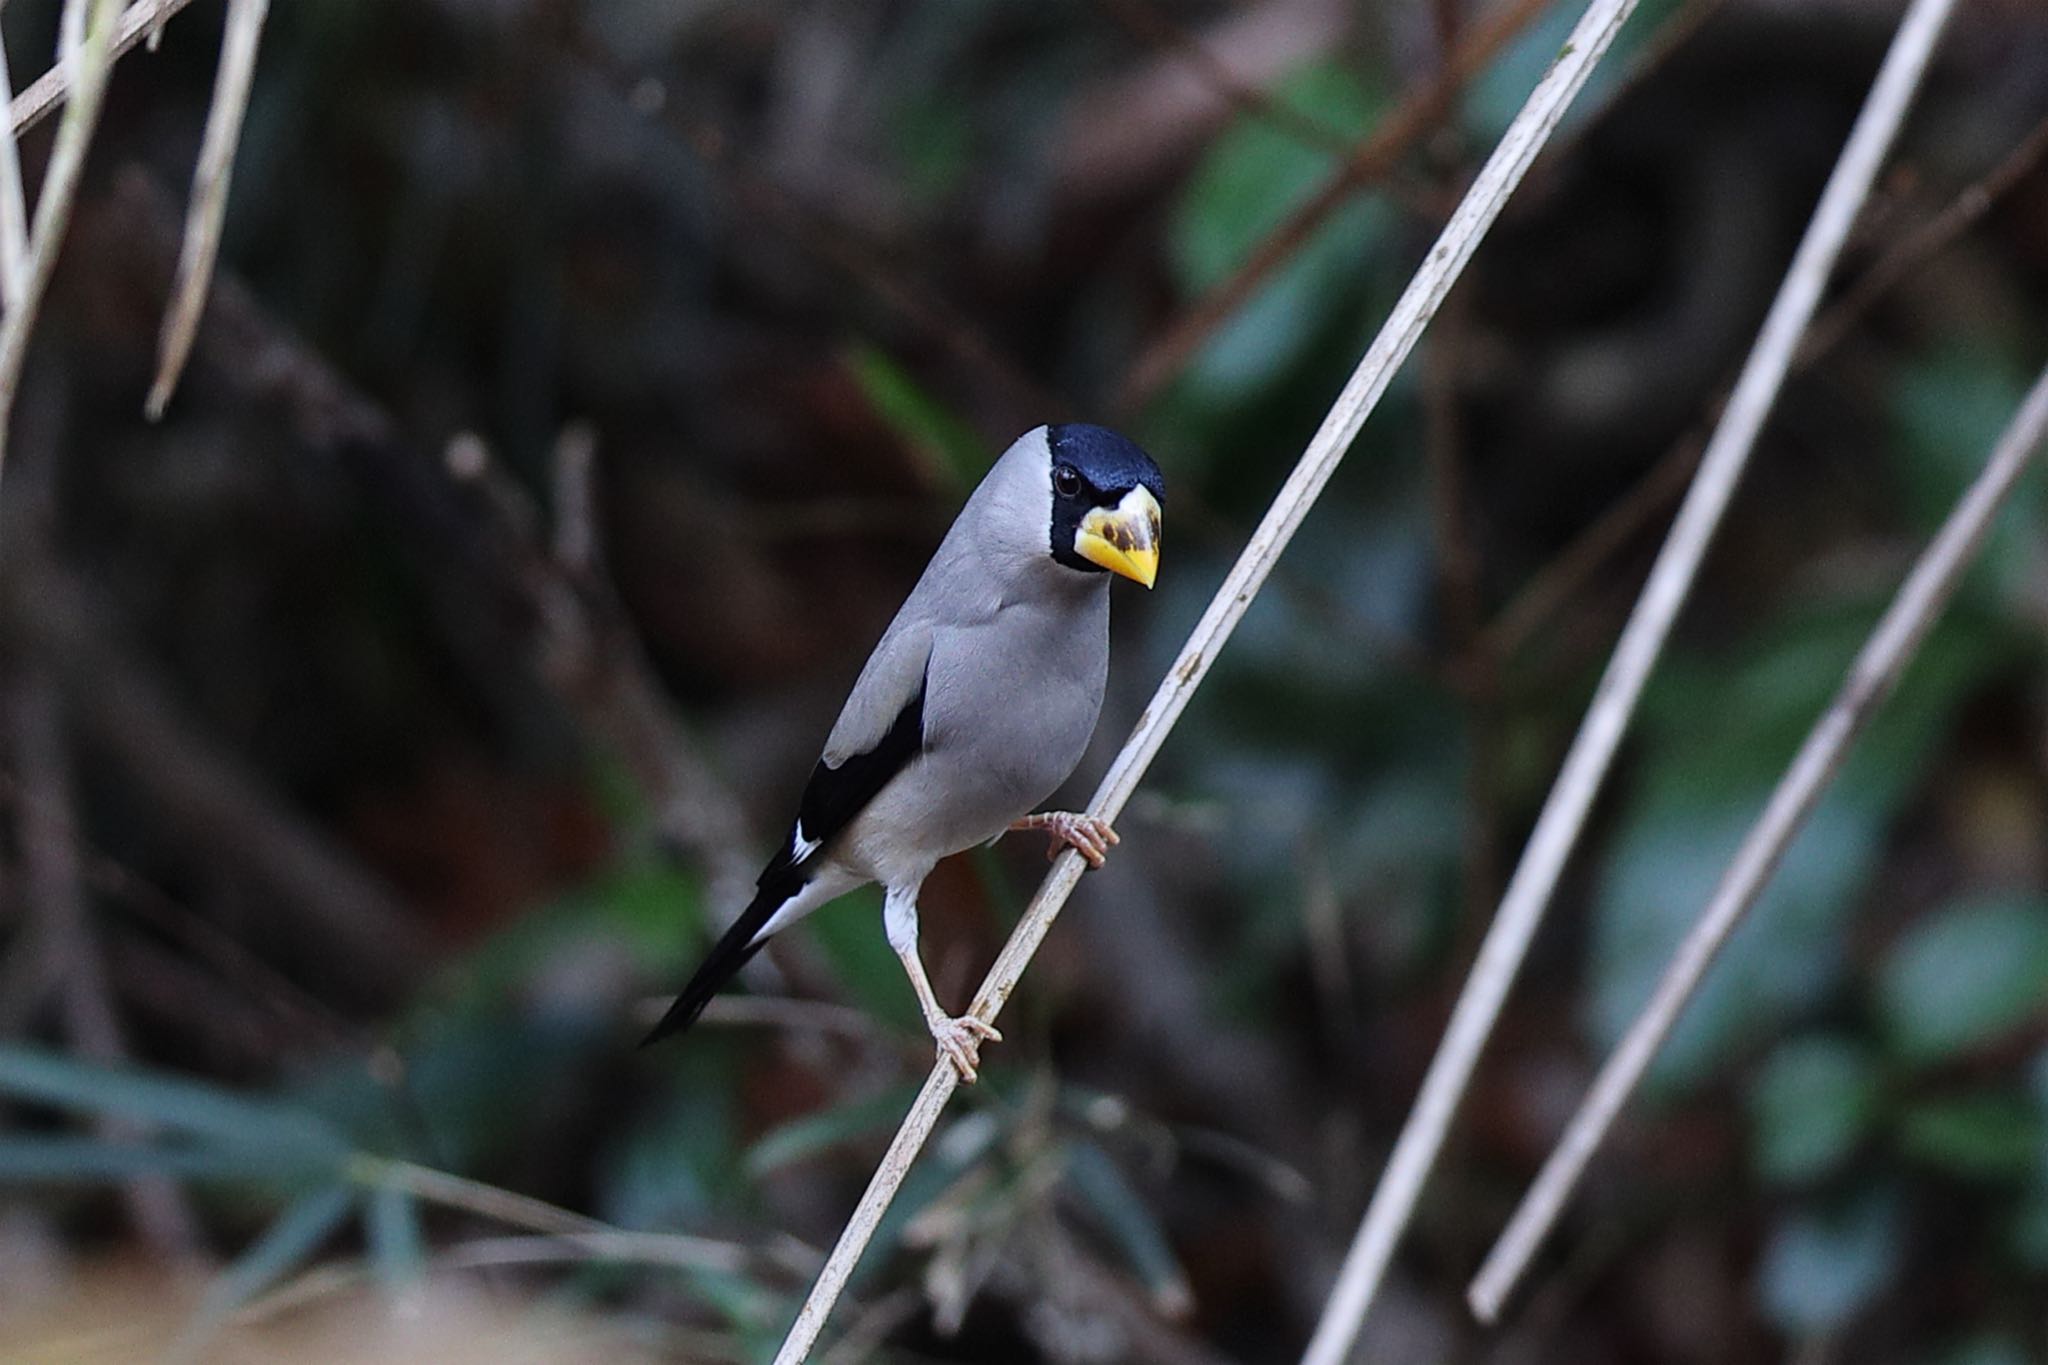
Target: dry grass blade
x,y
1585,766
140,20
472,1196
13,205
209,196
1418,303
86,61
1884,657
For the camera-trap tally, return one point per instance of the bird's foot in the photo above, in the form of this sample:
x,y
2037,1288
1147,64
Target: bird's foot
x,y
960,1041
1088,835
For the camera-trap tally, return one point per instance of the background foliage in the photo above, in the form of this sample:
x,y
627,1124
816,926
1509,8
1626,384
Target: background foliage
x,y
353,807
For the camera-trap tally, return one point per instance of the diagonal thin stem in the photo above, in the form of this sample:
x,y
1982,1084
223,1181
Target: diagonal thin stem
x,y
13,205
86,56
1418,303
1871,678
209,196
141,20
1564,812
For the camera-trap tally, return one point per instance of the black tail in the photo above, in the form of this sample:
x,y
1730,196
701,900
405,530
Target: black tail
x,y
727,956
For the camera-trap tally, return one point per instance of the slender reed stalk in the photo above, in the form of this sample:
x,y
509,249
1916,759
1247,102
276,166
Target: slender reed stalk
x,y
13,206
209,196
1418,303
1642,639
86,56
1871,678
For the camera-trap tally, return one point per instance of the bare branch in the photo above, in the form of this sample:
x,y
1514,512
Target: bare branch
x,y
1564,812
1871,678
1618,525
209,196
1404,325
1926,241
1546,593
143,19
1145,22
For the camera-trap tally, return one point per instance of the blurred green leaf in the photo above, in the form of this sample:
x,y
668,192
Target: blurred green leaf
x,y
927,425
1120,1212
1666,863
1990,1349
804,1138
1987,1136
1257,173
34,1160
391,1222
2028,1234
1969,974
1813,1100
849,932
1821,1269
681,1160
1947,407
1704,785
646,905
1247,184
1497,93
289,1242
184,1106
933,141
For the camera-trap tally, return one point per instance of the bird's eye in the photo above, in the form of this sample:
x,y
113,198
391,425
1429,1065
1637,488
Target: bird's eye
x,y
1065,481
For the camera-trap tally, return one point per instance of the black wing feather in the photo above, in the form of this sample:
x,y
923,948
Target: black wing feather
x,y
831,800
834,796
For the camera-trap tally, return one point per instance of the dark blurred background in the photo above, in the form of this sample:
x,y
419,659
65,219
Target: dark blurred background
x,y
390,725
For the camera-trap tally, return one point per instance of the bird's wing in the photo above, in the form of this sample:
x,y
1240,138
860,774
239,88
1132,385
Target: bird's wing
x,y
880,729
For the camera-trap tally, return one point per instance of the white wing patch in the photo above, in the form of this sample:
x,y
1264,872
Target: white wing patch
x,y
800,847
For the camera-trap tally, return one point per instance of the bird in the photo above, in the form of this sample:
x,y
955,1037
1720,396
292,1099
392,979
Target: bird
x,y
976,704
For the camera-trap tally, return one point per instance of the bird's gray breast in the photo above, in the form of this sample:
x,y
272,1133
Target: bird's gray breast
x,y
1010,704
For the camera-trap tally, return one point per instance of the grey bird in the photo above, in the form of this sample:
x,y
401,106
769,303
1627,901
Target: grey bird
x,y
977,703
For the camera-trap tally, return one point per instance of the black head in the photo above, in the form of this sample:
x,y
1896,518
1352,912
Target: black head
x,y
1093,471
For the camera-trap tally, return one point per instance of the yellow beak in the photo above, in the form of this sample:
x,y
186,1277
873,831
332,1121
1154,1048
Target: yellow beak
x,y
1123,539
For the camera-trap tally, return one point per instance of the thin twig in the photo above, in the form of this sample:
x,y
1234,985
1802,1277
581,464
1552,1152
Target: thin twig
x,y
209,196
1564,812
1626,517
1459,573
87,67
1926,241
1871,678
1618,525
472,1196
1144,21
449,1190
482,1253
1404,325
1371,161
140,20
